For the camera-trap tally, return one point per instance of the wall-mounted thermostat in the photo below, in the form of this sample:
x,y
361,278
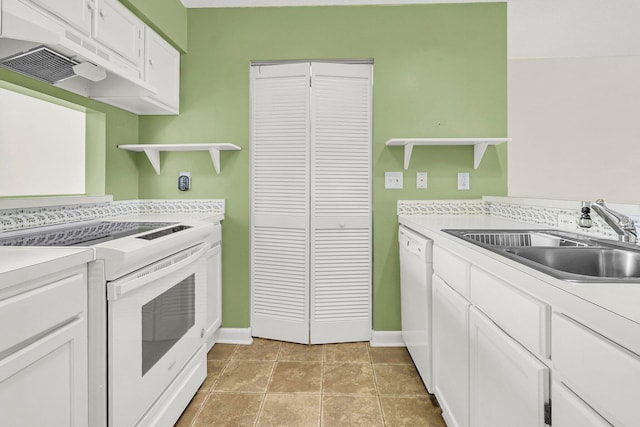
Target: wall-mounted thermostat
x,y
184,181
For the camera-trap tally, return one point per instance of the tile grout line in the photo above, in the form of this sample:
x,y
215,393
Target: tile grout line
x,y
206,398
323,364
375,381
266,390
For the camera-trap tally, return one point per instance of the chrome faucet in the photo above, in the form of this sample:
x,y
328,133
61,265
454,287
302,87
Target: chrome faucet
x,y
621,224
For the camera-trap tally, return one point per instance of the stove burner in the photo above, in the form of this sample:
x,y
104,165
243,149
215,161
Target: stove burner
x,y
84,235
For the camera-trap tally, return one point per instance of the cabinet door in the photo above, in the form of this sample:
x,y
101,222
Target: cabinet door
x,y
508,386
162,69
451,353
119,29
214,294
45,383
75,12
604,374
571,411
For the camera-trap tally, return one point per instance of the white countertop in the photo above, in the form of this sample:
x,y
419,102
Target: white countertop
x,y
622,299
21,264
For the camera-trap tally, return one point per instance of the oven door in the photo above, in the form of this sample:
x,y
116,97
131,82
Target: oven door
x,y
156,320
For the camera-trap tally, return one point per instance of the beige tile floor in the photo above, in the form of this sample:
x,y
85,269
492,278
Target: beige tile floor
x,y
273,383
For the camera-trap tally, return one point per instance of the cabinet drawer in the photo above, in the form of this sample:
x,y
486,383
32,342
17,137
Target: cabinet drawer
x,y
569,410
523,317
42,308
452,269
603,374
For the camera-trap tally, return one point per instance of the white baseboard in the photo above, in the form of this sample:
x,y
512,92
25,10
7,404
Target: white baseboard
x,y
386,339
243,336
234,336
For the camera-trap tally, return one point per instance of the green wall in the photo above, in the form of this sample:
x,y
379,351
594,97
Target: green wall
x,y
166,17
439,71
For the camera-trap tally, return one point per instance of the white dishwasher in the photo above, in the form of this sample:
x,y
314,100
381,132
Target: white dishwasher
x,y
416,269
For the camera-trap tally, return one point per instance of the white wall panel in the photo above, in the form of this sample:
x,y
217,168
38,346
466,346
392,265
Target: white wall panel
x,y
42,147
573,124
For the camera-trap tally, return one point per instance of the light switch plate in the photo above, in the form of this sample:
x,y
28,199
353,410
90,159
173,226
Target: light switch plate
x,y
393,180
421,180
463,180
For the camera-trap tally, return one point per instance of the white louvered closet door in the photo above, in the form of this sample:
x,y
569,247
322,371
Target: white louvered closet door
x,y
280,202
341,110
311,202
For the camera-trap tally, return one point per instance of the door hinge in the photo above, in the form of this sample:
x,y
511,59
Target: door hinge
x,y
309,81
547,413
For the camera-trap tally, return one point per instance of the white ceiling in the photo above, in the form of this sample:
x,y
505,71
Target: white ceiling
x,y
269,3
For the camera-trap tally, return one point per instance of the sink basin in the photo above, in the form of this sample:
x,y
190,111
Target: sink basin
x,y
595,262
564,255
520,238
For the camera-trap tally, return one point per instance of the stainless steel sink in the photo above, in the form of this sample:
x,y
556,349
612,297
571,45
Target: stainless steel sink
x,y
518,238
564,255
593,262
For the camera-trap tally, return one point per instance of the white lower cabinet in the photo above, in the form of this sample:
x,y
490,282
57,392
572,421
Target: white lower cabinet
x,y
508,386
571,411
214,294
43,353
451,353
602,373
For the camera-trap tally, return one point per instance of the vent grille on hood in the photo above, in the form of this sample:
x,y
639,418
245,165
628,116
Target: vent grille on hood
x,y
41,63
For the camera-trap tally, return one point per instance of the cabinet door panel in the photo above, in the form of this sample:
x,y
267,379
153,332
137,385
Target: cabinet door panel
x,y
451,353
453,270
570,411
522,316
162,69
39,309
75,12
44,384
118,29
507,385
214,294
602,373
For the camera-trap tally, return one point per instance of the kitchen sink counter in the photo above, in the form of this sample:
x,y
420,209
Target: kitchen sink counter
x,y
620,301
21,264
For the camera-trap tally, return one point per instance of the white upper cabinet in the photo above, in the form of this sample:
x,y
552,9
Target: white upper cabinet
x,y
119,29
162,69
74,12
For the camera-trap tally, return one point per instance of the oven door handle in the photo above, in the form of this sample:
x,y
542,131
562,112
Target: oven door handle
x,y
118,288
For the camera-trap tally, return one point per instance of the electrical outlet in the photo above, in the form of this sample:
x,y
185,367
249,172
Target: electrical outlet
x,y
421,180
463,180
393,180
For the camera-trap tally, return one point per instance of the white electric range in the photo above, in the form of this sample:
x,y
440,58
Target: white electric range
x,y
149,322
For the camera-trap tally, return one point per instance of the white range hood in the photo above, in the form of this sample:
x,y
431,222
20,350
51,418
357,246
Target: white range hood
x,y
37,45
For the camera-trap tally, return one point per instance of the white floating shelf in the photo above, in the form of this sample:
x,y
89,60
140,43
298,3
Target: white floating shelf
x,y
479,145
153,151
